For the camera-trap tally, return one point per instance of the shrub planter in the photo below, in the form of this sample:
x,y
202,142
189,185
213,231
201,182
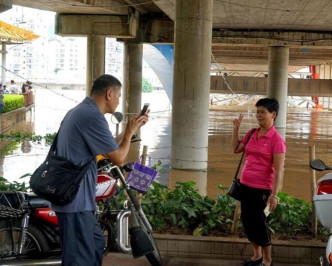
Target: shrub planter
x,y
7,120
229,248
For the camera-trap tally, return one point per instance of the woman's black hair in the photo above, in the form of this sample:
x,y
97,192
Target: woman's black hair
x,y
270,104
103,83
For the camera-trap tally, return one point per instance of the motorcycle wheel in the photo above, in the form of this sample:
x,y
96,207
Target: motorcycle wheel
x,y
154,257
35,242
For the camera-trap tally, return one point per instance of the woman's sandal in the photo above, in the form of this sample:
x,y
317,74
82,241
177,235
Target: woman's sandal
x,y
249,262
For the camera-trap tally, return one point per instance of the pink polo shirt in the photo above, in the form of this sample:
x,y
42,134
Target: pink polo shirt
x,y
258,169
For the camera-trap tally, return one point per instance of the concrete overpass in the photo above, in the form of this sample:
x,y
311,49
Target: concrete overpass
x,y
242,29
258,86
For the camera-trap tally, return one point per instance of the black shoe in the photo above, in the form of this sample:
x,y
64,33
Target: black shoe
x,y
249,262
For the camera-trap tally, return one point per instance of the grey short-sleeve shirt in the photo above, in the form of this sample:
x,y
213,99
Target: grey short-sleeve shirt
x,y
84,134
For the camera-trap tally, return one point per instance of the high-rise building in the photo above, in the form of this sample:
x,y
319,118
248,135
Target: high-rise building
x,y
55,59
114,58
50,58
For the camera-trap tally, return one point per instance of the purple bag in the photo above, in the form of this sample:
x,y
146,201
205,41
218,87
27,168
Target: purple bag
x,y
141,177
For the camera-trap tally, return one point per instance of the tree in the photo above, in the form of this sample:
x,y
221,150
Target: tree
x,y
56,70
146,85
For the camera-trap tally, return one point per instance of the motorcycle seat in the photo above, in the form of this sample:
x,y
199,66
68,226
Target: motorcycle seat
x,y
36,201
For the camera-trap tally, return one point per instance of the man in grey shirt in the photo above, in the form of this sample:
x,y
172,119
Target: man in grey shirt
x,y
84,134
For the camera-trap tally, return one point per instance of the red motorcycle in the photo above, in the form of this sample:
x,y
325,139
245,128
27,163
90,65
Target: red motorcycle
x,y
28,227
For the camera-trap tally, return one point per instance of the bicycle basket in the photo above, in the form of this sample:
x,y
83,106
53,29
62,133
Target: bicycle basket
x,y
141,177
11,204
8,212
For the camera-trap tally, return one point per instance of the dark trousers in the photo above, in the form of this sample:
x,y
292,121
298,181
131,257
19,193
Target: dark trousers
x,y
81,238
253,203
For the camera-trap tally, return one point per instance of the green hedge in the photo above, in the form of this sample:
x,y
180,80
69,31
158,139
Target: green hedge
x,y
184,211
12,102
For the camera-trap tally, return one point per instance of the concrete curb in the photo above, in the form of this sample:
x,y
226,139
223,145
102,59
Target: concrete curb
x,y
232,248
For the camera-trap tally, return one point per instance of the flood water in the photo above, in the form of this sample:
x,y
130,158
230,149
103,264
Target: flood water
x,y
305,127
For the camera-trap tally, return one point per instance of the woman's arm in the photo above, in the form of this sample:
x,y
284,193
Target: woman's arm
x,y
278,162
237,146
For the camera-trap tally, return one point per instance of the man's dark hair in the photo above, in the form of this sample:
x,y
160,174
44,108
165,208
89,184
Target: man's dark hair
x,y
270,104
103,83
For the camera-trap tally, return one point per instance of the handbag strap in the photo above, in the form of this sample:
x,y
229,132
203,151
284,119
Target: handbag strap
x,y
238,167
52,150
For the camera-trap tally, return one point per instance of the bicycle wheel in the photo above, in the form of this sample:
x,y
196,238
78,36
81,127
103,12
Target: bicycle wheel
x,y
34,244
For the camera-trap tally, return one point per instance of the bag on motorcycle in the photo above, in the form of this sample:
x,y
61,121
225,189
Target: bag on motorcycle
x,y
57,179
141,177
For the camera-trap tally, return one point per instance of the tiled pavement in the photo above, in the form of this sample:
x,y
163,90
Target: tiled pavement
x,y
116,259
215,251
234,249
119,259
209,251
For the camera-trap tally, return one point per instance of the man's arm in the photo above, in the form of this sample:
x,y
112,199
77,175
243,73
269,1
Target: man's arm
x,y
118,156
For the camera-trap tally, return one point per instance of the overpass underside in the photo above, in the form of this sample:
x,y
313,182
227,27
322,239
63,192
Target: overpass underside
x,y
258,86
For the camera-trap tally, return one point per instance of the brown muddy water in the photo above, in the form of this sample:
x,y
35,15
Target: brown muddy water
x,y
305,127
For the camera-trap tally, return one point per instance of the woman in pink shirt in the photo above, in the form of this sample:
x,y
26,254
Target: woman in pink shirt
x,y
260,178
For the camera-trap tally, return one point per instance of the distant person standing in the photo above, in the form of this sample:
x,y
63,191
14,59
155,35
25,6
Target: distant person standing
x,y
5,91
2,103
26,87
1,89
30,86
13,87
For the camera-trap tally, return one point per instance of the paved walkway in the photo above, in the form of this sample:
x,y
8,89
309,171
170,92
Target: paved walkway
x,y
117,259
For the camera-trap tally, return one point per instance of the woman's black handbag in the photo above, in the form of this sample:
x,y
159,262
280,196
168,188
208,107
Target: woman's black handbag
x,y
235,189
57,179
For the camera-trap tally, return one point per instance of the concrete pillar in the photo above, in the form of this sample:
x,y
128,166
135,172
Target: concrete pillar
x,y
191,87
3,62
277,83
132,78
132,88
5,5
95,65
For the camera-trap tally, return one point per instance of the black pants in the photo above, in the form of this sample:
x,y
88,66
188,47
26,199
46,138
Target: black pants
x,y
81,238
253,203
